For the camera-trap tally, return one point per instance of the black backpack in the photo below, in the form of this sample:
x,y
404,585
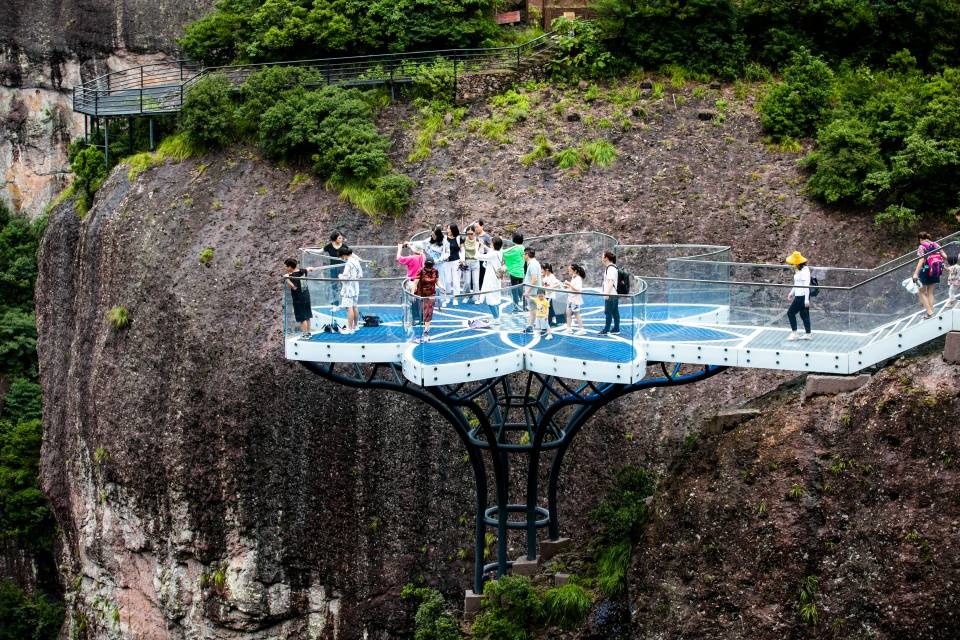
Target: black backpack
x,y
814,287
623,281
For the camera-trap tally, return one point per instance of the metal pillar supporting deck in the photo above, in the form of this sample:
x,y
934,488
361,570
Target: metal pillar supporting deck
x,y
518,417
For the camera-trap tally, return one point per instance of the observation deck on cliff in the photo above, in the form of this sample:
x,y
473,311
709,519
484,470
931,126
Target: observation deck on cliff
x,y
689,305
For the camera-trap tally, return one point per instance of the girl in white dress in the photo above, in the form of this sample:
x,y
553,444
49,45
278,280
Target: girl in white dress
x,y
492,275
575,299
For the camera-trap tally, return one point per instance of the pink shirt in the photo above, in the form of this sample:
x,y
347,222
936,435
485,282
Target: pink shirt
x,y
413,264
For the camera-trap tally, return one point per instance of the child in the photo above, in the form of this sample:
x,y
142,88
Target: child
x,y
542,311
299,294
350,287
953,279
425,288
575,299
558,301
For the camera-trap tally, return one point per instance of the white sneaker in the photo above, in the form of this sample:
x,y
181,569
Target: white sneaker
x,y
580,332
548,337
793,336
806,336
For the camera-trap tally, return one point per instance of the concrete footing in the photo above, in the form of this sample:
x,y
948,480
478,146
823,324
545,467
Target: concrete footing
x,y
951,350
471,603
560,579
832,385
524,567
550,548
728,419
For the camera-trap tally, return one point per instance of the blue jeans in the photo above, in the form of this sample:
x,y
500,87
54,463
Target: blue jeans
x,y
611,311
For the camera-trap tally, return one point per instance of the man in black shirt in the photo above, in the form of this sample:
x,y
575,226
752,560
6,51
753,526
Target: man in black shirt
x,y
332,249
299,294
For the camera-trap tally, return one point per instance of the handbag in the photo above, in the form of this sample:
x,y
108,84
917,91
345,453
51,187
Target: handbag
x,y
371,321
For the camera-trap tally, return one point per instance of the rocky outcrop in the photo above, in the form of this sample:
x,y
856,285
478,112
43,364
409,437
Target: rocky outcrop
x,y
850,499
47,48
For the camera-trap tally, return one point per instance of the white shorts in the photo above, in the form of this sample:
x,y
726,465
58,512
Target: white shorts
x,y
573,308
348,302
541,323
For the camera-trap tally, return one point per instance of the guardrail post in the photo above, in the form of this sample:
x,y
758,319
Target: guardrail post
x,y
96,102
151,134
392,96
454,80
106,141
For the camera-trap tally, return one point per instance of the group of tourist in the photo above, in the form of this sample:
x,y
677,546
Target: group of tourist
x,y
450,267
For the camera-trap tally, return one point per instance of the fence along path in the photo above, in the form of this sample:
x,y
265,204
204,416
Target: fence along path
x,y
160,88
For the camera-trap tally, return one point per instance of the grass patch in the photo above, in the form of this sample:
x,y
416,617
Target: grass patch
x,y
612,565
118,318
566,606
567,158
206,256
541,150
599,152
62,197
177,148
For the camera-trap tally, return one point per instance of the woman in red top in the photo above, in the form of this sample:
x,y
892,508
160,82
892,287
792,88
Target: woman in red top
x,y
425,288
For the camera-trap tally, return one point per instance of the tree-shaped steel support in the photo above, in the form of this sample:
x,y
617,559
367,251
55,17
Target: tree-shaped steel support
x,y
518,415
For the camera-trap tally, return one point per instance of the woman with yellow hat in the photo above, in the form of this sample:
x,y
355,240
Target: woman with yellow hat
x,y
799,297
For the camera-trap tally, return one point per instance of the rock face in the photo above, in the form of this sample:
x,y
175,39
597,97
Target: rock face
x,y
854,494
207,487
47,48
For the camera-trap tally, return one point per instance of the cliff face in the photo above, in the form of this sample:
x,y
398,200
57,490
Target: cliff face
x,y
47,48
208,488
851,499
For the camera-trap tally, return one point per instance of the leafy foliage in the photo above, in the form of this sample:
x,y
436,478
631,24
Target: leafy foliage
x,y
700,35
89,168
862,31
208,117
612,565
265,88
23,616
510,606
433,619
254,30
620,516
580,52
793,108
892,142
566,606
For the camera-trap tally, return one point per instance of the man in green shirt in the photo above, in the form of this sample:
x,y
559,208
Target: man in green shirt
x,y
514,262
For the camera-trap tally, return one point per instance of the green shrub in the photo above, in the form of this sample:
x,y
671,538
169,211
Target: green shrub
x,y
208,117
393,193
90,170
265,88
333,126
624,511
118,318
433,619
434,82
847,153
510,606
793,108
702,36
22,402
24,616
289,29
579,51
566,606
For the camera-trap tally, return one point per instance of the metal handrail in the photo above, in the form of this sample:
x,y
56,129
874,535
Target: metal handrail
x,y
179,74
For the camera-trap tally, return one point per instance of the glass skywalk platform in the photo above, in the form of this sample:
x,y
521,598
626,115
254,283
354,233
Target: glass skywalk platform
x,y
690,305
